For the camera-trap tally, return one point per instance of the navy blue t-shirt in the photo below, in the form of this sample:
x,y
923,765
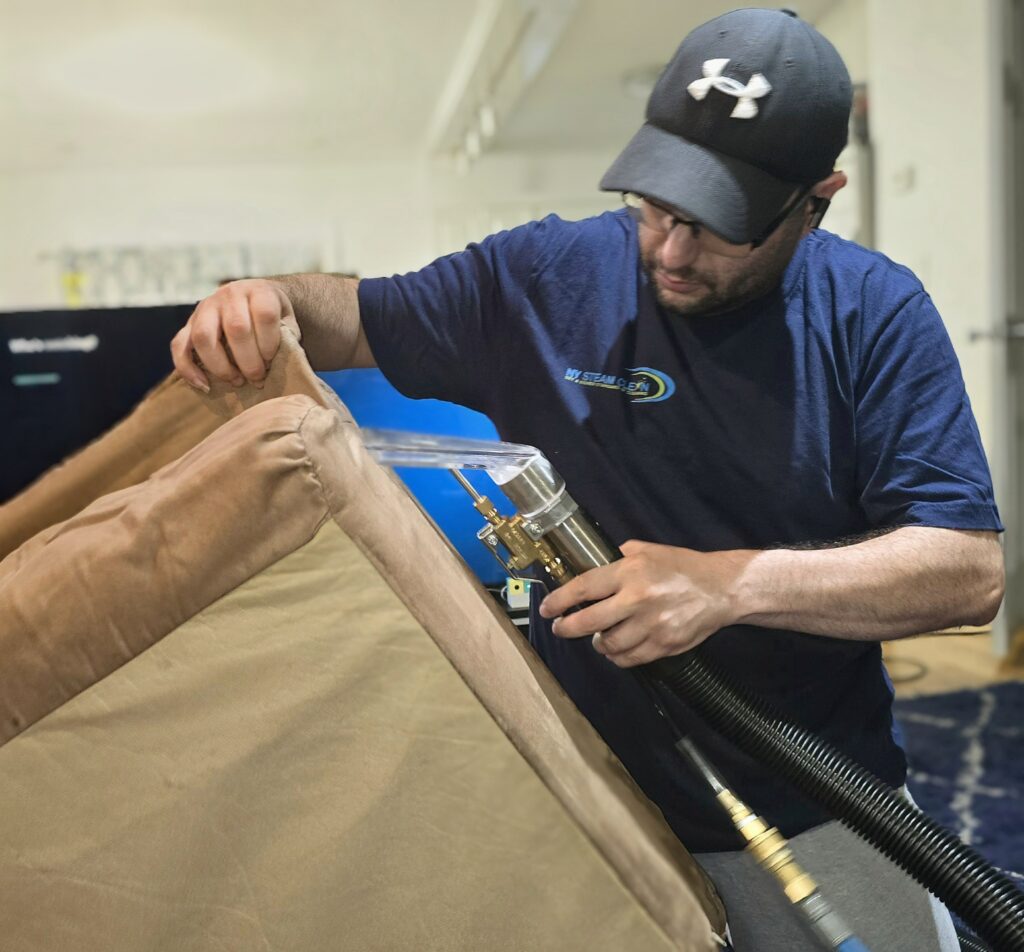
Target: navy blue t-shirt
x,y
832,406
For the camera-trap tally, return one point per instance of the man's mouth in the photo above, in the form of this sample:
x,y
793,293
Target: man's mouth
x,y
672,283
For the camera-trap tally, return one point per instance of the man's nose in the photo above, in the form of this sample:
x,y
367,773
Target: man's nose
x,y
680,248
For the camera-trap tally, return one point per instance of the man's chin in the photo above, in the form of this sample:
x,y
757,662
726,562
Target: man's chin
x,y
679,296
692,302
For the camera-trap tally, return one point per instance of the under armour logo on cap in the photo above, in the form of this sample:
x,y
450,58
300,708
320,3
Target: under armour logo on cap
x,y
745,108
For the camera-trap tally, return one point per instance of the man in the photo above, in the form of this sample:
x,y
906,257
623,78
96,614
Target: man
x,y
778,414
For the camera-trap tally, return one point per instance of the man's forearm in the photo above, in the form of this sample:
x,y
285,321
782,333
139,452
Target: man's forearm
x,y
909,581
327,310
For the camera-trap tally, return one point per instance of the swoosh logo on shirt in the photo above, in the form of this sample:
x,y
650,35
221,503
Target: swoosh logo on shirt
x,y
664,386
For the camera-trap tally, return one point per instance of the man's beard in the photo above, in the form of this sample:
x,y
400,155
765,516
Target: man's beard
x,y
762,275
716,297
709,300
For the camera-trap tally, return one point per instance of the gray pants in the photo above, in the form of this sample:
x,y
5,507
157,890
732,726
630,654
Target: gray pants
x,y
885,908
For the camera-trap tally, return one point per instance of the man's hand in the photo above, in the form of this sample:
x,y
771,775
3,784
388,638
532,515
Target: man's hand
x,y
658,600
233,334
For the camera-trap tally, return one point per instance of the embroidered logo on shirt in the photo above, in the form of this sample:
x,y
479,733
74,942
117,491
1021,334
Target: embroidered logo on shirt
x,y
643,385
745,108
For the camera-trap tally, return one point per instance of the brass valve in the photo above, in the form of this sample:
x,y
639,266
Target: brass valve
x,y
523,550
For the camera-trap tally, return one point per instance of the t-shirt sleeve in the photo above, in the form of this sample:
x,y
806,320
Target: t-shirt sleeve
x,y
444,331
919,454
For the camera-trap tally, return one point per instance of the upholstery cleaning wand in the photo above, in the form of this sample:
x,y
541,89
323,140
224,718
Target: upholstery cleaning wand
x,y
552,532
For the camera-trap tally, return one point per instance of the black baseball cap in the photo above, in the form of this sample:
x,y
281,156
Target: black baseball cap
x,y
753,106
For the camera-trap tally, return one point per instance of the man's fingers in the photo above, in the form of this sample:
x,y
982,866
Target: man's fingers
x,y
621,638
233,334
597,617
240,334
633,643
591,586
288,313
268,308
628,645
644,653
181,354
205,335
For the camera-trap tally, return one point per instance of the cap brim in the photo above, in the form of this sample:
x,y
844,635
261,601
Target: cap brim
x,y
734,199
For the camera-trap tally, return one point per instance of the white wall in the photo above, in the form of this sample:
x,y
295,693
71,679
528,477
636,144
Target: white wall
x,y
374,218
368,218
504,190
846,27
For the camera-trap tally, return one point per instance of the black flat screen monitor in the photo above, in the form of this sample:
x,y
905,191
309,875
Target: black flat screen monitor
x,y
66,377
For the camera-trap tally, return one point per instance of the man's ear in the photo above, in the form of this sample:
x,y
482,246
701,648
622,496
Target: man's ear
x,y
828,187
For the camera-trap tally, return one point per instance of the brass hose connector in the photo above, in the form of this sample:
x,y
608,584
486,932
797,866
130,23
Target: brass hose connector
x,y
768,847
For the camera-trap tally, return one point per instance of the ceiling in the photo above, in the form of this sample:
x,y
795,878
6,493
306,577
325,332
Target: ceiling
x,y
135,83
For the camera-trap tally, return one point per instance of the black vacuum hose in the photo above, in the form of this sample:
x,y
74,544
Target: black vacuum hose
x,y
971,887
970,943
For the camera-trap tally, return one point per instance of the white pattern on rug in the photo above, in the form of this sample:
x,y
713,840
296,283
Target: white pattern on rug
x,y
968,785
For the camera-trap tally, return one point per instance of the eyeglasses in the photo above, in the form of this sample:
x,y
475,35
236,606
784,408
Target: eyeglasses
x,y
648,212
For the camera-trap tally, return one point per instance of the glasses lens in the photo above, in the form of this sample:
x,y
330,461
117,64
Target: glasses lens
x,y
647,212
662,219
716,245
634,206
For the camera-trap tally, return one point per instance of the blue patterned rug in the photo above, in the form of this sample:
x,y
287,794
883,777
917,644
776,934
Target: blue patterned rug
x,y
966,756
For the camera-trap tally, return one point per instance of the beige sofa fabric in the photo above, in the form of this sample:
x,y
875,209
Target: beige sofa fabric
x,y
296,768
172,419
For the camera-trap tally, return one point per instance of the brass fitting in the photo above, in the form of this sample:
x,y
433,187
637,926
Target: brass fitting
x,y
768,847
522,549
